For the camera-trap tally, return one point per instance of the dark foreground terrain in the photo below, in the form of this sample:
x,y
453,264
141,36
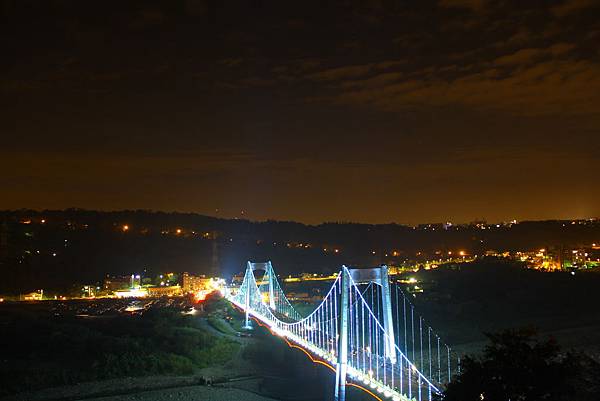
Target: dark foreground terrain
x,y
47,346
121,350
150,350
467,300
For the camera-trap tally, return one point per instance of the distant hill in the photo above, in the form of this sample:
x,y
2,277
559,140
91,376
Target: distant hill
x,y
55,248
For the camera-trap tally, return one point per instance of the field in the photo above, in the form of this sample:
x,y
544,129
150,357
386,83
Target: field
x,y
42,349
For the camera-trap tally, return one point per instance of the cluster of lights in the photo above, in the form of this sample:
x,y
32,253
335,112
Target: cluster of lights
x,y
178,231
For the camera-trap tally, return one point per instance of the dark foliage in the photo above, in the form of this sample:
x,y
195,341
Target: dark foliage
x,y
518,366
40,351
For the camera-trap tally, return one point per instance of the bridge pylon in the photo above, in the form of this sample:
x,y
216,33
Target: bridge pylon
x,y
379,275
249,270
271,274
342,344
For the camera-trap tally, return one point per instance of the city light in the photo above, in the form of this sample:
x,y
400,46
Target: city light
x,y
133,308
132,293
201,295
125,227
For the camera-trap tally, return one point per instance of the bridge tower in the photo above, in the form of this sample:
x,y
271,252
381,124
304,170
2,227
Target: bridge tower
x,y
379,276
251,267
249,271
271,274
342,351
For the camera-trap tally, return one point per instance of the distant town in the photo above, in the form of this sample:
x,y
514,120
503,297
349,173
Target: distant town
x,y
87,254
172,284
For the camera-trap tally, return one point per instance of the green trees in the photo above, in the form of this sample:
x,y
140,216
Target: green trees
x,y
215,303
40,351
518,366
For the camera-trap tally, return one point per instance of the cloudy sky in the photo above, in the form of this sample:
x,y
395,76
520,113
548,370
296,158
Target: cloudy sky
x,y
370,111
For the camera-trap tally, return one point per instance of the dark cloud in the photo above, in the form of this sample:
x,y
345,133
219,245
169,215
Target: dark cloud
x,y
569,7
370,111
469,4
553,86
351,71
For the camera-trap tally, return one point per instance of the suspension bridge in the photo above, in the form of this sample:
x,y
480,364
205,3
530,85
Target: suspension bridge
x,y
366,329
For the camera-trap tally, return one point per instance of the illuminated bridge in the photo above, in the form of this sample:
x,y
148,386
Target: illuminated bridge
x,y
365,329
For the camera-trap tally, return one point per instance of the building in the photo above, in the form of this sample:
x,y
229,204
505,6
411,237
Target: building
x,y
161,291
237,279
132,293
304,297
33,296
89,291
115,283
193,284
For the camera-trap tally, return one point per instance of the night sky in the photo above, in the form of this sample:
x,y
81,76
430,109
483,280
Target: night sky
x,y
368,111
